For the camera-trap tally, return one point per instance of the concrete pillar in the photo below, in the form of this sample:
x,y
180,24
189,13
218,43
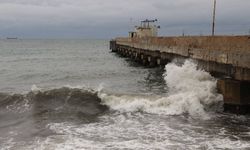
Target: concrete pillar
x,y
152,61
127,53
158,61
122,52
137,57
236,95
119,51
144,60
134,55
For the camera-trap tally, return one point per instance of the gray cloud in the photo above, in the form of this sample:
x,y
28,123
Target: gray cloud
x,y
105,19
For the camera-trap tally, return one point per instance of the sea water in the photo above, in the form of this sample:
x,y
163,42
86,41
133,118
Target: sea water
x,y
76,94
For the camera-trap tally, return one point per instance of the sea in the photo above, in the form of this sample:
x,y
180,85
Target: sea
x,y
59,94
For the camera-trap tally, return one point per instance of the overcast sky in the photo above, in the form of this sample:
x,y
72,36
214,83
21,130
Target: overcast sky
x,y
110,18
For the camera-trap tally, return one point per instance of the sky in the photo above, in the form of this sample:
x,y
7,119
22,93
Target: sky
x,y
112,18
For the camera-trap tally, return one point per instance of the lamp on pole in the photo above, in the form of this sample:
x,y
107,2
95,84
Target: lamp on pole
x,y
213,24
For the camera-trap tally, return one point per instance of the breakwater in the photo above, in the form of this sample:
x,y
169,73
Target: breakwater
x,y
225,57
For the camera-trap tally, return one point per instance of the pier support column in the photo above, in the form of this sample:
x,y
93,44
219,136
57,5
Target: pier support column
x,y
152,61
158,61
137,57
144,59
126,53
130,54
236,95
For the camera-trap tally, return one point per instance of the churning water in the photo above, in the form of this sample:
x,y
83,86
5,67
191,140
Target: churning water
x,y
75,94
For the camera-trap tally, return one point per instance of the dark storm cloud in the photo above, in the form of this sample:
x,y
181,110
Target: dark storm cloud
x,y
107,18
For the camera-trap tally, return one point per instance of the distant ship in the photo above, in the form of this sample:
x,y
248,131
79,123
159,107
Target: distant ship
x,y
11,38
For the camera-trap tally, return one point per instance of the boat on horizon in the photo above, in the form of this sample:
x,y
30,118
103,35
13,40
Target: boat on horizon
x,y
11,38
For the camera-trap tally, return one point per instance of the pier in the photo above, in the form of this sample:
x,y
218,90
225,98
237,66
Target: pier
x,y
226,57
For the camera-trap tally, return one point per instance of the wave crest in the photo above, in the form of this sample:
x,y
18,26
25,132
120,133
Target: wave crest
x,y
190,90
57,104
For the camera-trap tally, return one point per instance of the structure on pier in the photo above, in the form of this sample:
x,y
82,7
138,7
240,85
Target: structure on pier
x,y
146,29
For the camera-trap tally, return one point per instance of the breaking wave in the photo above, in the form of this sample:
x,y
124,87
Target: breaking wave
x,y
190,91
55,104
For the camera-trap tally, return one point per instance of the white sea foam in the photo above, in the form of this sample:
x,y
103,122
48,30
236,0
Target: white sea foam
x,y
191,91
83,86
34,88
137,131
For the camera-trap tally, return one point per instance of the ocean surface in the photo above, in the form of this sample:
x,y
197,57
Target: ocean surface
x,y
76,94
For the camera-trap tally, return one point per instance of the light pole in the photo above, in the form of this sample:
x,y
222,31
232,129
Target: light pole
x,y
213,24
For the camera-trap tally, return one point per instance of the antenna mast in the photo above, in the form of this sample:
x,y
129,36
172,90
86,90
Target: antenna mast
x,y
213,24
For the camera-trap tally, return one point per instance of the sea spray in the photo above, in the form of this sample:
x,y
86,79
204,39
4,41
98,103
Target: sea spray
x,y
191,88
190,91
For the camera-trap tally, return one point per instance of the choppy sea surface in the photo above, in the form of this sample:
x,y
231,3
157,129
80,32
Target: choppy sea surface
x,y
75,94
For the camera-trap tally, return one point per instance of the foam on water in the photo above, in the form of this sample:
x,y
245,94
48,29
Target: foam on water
x,y
138,131
190,90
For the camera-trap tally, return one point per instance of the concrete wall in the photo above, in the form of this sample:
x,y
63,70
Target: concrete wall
x,y
233,50
228,50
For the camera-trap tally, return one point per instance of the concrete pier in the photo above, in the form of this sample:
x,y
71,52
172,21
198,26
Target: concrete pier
x,y
225,57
